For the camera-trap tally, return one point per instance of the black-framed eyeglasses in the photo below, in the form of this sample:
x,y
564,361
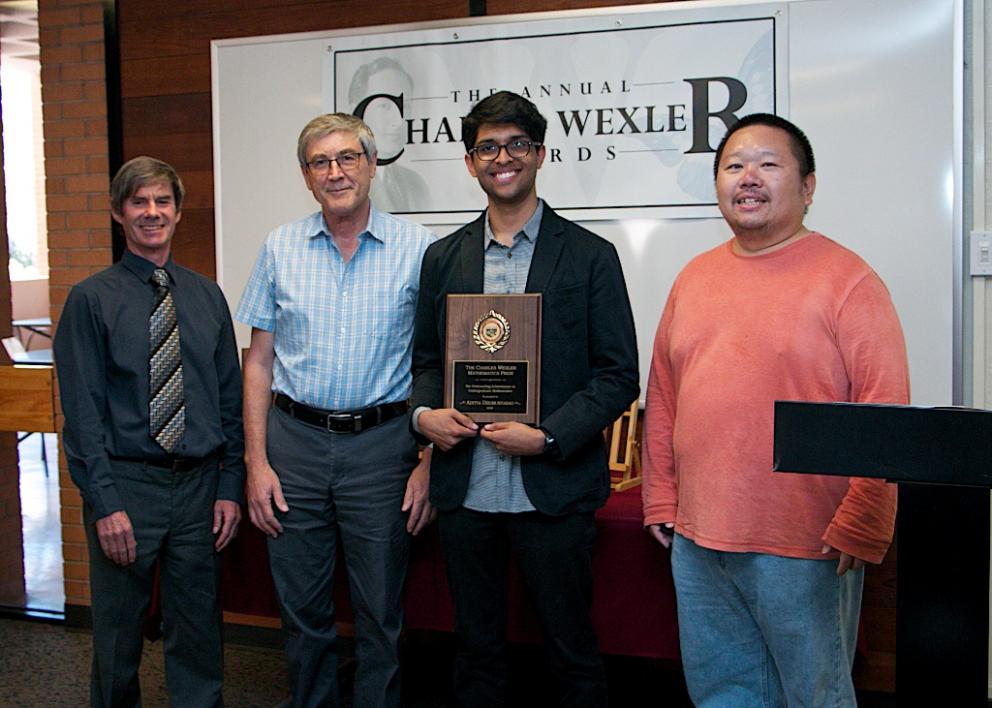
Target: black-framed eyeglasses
x,y
347,161
515,148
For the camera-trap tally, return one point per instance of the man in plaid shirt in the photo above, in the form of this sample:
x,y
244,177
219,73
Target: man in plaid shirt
x,y
331,304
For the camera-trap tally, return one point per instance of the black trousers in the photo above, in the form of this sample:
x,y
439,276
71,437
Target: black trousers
x,y
172,517
554,555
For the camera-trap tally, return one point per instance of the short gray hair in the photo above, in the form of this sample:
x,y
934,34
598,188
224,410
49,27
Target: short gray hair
x,y
324,125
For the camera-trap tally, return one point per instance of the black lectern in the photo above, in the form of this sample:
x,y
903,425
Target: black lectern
x,y
942,460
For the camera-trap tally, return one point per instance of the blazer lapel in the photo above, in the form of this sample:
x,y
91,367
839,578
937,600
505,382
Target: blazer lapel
x,y
550,241
472,257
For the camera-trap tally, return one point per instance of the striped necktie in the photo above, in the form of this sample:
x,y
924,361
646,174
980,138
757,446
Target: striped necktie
x,y
166,407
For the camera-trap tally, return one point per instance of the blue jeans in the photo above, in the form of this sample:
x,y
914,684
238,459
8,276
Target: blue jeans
x,y
763,630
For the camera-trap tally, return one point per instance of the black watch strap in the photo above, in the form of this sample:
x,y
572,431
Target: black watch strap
x,y
551,448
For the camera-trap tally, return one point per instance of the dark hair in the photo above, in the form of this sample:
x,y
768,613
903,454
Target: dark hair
x,y
136,173
504,107
801,148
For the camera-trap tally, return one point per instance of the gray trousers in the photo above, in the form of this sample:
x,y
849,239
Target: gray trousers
x,y
348,487
172,516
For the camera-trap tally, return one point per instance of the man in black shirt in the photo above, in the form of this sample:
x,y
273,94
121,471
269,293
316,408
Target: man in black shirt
x,y
151,392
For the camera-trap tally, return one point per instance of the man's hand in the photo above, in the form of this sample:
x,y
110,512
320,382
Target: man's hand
x,y
665,539
846,561
514,438
446,427
117,538
262,491
416,499
227,515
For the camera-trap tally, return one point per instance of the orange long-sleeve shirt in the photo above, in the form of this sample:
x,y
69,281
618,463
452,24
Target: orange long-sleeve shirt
x,y
810,322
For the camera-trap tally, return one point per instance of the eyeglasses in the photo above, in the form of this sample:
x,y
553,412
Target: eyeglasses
x,y
347,161
515,148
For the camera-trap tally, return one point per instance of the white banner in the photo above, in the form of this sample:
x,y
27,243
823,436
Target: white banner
x,y
636,104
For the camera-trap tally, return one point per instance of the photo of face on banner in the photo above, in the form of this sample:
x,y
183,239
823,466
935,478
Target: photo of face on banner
x,y
378,90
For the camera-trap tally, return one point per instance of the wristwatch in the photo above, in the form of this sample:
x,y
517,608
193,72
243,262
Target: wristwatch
x,y
551,448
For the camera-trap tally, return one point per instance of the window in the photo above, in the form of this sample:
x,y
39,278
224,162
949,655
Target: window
x,y
23,146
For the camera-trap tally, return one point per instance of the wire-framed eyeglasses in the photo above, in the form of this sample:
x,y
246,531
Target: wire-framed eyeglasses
x,y
347,161
488,152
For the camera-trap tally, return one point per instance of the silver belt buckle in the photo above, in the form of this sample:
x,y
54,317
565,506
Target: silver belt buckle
x,y
339,418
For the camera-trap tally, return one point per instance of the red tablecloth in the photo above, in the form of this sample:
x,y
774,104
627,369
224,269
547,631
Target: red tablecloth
x,y
633,596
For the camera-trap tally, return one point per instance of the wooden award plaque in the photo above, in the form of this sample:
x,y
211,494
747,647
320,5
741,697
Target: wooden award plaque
x,y
492,357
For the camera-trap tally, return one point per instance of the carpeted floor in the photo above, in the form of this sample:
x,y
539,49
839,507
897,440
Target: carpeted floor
x,y
47,665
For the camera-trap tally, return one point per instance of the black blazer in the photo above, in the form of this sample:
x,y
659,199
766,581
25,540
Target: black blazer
x,y
588,353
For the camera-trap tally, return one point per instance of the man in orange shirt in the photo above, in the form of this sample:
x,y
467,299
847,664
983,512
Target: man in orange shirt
x,y
768,567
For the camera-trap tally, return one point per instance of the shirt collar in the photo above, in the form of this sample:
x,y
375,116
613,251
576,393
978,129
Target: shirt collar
x,y
530,230
374,228
143,268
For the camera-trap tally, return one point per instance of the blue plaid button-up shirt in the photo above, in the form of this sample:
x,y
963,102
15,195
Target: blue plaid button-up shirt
x,y
343,330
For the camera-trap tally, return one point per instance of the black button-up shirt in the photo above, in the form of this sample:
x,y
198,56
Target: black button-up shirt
x,y
101,355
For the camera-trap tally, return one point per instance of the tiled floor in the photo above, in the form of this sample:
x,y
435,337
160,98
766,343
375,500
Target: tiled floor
x,y
40,518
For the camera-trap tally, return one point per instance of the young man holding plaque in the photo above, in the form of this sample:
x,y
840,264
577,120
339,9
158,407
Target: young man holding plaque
x,y
508,487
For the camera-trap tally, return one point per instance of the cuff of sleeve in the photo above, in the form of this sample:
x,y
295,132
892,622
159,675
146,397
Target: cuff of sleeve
x,y
869,550
105,501
661,514
415,419
415,424
231,486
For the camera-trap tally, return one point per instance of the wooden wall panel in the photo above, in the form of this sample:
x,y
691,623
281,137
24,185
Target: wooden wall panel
x,y
158,115
509,7
199,189
155,76
193,244
176,36
184,151
141,10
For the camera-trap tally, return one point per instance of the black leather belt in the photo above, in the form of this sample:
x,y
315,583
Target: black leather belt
x,y
175,464
341,421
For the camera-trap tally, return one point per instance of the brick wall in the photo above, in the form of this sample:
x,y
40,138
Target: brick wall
x,y
73,91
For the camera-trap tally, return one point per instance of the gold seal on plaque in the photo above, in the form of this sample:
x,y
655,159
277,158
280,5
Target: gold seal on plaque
x,y
491,332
